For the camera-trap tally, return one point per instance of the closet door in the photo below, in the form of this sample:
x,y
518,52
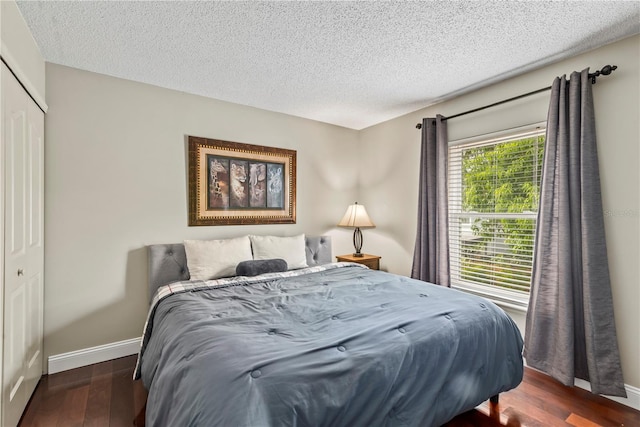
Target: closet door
x,y
34,241
23,126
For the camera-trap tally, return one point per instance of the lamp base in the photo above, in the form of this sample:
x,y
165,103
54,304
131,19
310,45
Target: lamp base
x,y
358,255
357,242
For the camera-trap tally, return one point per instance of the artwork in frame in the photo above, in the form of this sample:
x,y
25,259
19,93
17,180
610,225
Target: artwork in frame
x,y
232,183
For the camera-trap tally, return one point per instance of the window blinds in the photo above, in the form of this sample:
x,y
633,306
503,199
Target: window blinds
x,y
493,202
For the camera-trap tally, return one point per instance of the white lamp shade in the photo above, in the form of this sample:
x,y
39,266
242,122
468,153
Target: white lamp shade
x,y
356,216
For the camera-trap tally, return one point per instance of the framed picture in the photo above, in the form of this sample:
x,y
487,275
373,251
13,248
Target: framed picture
x,y
233,183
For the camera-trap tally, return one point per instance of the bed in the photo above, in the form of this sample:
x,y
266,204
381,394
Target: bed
x,y
334,344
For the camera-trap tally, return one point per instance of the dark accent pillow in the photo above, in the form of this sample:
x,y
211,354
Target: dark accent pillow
x,y
260,266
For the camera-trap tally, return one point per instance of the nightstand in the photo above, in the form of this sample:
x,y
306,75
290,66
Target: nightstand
x,y
371,261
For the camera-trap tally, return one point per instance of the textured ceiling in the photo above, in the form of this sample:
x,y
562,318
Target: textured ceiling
x,y
353,64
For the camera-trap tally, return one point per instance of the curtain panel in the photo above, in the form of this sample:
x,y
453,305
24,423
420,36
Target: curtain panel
x,y
570,327
431,254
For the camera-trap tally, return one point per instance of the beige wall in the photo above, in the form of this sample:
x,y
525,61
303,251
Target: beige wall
x,y
389,171
20,50
115,173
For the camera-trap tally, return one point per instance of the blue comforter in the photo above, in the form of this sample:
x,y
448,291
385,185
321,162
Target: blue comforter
x,y
338,345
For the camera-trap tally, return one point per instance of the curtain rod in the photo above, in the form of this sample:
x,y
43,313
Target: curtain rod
x,y
605,71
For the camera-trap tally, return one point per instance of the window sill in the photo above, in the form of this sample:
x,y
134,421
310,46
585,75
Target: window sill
x,y
500,298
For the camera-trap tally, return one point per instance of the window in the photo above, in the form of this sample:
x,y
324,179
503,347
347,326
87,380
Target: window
x,y
494,187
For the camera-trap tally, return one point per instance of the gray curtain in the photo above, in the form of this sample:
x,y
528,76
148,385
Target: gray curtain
x,y
570,329
431,254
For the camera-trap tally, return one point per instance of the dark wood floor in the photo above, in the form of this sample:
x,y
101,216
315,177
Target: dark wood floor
x,y
98,395
105,395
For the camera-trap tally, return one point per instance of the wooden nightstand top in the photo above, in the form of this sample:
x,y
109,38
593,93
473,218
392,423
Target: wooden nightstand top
x,y
371,261
351,258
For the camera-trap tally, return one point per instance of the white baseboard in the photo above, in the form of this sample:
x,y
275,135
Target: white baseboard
x,y
633,394
89,356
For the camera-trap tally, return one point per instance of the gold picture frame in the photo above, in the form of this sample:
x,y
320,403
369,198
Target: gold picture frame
x,y
232,183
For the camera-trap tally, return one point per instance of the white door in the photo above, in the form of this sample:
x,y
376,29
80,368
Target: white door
x,y
35,249
23,126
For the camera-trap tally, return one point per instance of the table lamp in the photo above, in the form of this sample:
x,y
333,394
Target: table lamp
x,y
356,216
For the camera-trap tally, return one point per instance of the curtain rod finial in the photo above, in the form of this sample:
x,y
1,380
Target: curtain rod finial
x,y
419,126
605,71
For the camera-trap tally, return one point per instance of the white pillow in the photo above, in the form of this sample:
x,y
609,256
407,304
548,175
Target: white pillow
x,y
212,259
290,249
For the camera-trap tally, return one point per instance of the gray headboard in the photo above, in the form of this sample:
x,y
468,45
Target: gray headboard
x,y
168,262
